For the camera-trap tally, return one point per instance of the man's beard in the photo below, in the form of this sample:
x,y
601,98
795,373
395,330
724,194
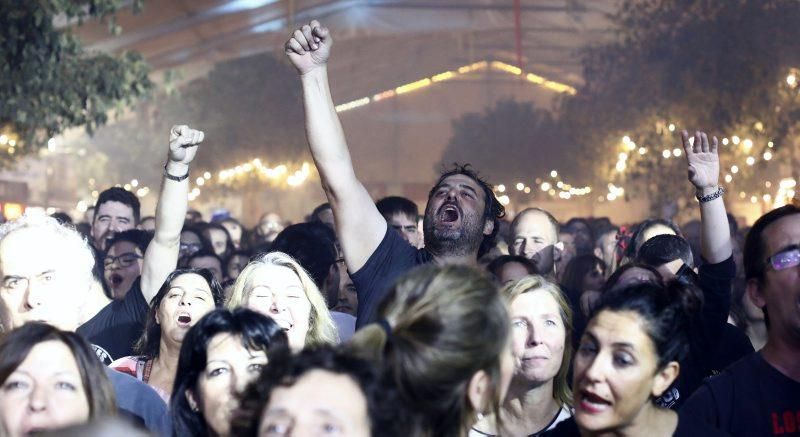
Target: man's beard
x,y
459,241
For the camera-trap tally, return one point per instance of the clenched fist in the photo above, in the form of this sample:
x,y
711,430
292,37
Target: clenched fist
x,y
309,47
183,142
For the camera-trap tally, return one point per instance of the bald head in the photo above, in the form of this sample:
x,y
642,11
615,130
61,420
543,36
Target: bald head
x,y
534,235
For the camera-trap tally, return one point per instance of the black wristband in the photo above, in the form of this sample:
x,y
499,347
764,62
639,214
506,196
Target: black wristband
x,y
708,198
175,178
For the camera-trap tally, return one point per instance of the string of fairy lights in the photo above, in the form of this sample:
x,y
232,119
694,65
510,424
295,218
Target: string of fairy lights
x,y
743,146
294,175
452,74
289,175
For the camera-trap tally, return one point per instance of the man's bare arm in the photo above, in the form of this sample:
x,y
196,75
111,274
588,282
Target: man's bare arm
x,y
359,225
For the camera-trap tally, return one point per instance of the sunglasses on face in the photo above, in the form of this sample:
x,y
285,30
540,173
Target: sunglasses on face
x,y
124,260
786,258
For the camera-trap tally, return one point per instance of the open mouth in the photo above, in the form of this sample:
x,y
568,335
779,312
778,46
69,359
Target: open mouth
x,y
449,213
593,403
184,319
116,280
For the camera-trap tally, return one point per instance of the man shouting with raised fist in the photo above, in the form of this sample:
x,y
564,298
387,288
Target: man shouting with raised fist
x,y
460,216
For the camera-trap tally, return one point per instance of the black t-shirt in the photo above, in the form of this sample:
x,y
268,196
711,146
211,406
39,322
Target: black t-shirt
x,y
714,343
750,398
114,330
687,427
393,257
731,346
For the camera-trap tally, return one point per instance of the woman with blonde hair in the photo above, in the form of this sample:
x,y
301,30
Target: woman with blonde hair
x,y
443,343
539,396
275,285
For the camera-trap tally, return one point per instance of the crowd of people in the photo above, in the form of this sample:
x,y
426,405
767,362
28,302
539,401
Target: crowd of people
x,y
360,322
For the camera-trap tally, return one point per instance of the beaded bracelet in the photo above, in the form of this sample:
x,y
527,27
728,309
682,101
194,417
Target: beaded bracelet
x,y
708,198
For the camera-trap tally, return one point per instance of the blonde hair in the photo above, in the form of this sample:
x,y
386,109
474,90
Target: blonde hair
x,y
561,391
321,329
440,325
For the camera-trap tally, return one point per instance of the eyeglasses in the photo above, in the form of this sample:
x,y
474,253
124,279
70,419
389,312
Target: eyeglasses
x,y
190,247
124,260
786,258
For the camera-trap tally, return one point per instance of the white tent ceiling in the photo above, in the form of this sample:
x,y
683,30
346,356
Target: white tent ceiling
x,y
390,40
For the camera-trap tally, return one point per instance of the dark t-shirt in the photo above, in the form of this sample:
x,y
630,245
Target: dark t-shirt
x,y
393,257
750,398
115,329
714,343
687,427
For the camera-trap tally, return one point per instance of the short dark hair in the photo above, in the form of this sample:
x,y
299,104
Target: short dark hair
x,y
496,266
570,224
289,369
391,205
312,245
206,253
141,239
638,234
17,344
493,210
148,343
754,250
241,252
662,249
258,332
121,195
666,310
62,217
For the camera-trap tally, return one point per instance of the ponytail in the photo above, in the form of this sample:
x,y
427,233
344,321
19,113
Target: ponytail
x,y
666,311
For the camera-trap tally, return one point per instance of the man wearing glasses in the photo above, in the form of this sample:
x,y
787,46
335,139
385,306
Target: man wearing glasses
x,y
760,395
122,264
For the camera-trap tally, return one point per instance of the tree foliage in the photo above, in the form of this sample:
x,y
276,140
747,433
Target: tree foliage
x,y
48,82
721,66
511,141
248,108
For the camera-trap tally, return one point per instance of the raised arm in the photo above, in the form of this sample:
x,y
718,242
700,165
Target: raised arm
x,y
359,225
703,163
161,256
